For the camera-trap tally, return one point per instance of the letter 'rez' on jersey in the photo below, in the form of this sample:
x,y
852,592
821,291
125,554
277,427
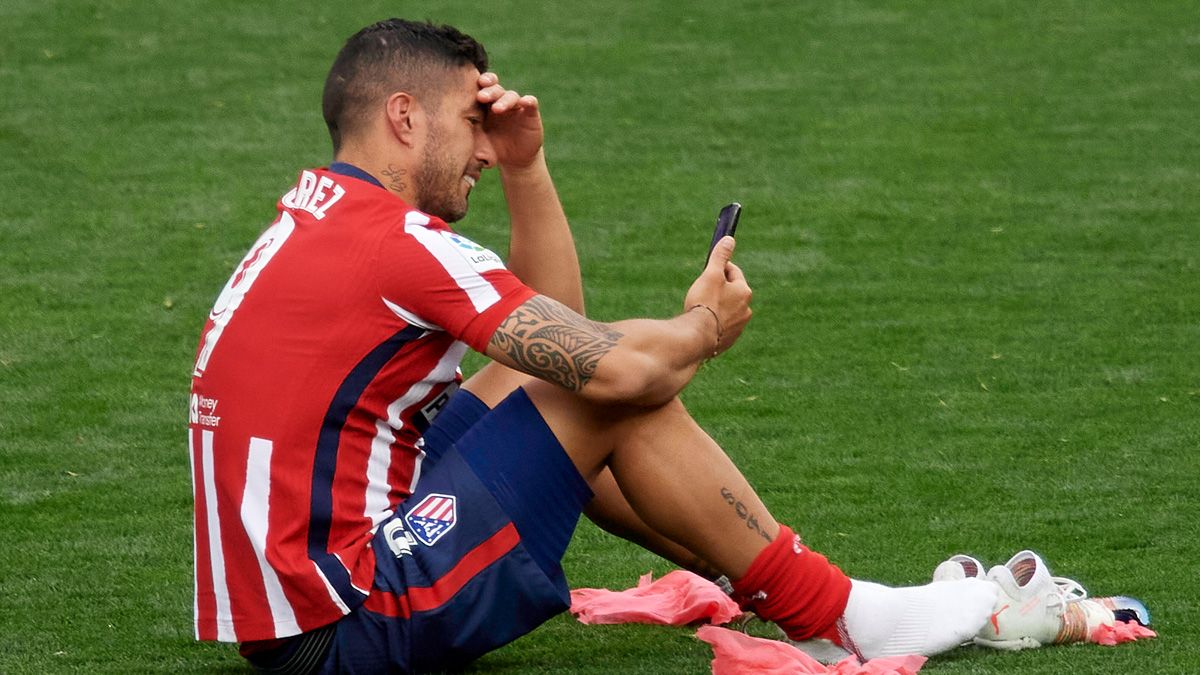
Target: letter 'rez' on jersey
x,y
335,341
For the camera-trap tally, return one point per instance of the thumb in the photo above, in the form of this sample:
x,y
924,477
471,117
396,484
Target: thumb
x,y
721,254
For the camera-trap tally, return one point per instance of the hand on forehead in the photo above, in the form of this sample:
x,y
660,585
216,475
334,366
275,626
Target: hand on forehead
x,y
497,99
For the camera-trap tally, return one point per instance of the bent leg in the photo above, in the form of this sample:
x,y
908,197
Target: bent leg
x,y
677,479
611,511
609,508
681,484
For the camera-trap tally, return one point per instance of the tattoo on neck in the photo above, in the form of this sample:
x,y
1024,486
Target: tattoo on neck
x,y
549,341
395,176
744,513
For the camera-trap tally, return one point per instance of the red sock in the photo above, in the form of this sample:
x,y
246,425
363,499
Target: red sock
x,y
796,588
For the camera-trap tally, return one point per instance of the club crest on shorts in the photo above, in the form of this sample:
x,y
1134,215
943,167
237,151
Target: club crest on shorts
x,y
432,518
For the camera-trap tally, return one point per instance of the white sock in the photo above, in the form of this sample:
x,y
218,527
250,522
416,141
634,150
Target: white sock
x,y
925,620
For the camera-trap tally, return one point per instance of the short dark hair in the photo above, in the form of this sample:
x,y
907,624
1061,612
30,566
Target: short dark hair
x,y
389,56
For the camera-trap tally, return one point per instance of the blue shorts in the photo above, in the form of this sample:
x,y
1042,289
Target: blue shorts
x,y
471,561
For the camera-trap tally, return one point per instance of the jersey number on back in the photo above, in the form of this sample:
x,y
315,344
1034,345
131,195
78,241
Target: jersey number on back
x,y
239,284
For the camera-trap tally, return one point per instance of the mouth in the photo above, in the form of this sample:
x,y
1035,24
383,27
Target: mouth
x,y
470,180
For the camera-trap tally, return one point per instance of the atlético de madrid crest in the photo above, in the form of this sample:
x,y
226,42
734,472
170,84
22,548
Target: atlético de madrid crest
x,y
432,518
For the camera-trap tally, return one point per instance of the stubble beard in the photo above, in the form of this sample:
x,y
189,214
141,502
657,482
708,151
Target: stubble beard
x,y
439,184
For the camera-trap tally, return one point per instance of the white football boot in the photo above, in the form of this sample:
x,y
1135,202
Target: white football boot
x,y
1023,578
1036,609
962,566
959,567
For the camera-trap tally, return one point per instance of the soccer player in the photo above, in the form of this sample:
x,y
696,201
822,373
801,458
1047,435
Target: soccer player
x,y
359,510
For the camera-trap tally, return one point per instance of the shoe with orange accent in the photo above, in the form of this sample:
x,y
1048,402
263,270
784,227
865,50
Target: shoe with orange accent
x,y
1036,609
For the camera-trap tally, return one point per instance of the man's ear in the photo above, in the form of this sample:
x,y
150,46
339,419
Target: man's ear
x,y
404,117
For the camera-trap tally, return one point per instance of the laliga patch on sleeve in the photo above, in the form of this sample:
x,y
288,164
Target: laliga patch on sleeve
x,y
480,258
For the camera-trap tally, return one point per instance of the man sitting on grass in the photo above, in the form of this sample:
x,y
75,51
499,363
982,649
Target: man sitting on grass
x,y
359,510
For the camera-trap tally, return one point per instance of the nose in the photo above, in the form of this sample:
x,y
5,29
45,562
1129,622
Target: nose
x,y
484,152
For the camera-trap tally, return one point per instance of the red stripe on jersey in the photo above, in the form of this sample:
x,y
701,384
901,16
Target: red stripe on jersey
x,y
423,599
243,580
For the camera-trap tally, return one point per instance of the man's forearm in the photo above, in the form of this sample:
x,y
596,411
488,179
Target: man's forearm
x,y
640,361
541,249
662,355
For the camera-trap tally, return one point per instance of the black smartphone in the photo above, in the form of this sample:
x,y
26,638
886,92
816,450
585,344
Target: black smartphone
x,y
727,222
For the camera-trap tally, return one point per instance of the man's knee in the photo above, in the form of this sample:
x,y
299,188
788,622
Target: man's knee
x,y
589,432
576,410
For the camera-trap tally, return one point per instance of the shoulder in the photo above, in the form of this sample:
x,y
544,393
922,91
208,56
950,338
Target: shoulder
x,y
449,247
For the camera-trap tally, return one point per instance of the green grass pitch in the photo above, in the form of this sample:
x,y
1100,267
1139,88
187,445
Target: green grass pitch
x,y
971,229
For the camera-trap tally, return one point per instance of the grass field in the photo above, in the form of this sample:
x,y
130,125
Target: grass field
x,y
971,229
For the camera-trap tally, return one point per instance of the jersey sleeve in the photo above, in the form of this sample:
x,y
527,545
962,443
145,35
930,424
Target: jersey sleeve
x,y
435,278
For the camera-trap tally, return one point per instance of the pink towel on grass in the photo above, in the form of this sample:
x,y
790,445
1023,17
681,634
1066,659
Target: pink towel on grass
x,y
677,599
1121,631
735,653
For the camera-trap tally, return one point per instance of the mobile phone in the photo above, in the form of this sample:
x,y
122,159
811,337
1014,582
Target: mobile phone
x,y
727,222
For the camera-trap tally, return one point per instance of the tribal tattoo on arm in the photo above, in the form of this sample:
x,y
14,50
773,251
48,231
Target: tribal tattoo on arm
x,y
547,340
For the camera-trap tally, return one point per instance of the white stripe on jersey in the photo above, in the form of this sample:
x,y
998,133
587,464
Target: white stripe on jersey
x,y
377,474
412,486
480,290
195,544
378,508
410,318
255,504
216,554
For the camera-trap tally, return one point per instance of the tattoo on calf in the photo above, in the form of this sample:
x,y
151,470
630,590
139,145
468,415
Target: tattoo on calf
x,y
744,513
548,340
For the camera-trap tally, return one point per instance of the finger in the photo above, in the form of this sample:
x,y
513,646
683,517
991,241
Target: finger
x,y
733,273
506,101
721,254
490,94
525,105
488,79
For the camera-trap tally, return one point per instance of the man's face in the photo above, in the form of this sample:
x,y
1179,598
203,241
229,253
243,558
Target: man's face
x,y
456,149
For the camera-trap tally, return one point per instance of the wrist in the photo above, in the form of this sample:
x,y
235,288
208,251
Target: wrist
x,y
706,310
533,168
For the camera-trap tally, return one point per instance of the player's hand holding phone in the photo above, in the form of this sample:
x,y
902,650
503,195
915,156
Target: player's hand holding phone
x,y
722,287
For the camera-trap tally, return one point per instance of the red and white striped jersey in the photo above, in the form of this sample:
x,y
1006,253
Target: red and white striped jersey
x,y
333,344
